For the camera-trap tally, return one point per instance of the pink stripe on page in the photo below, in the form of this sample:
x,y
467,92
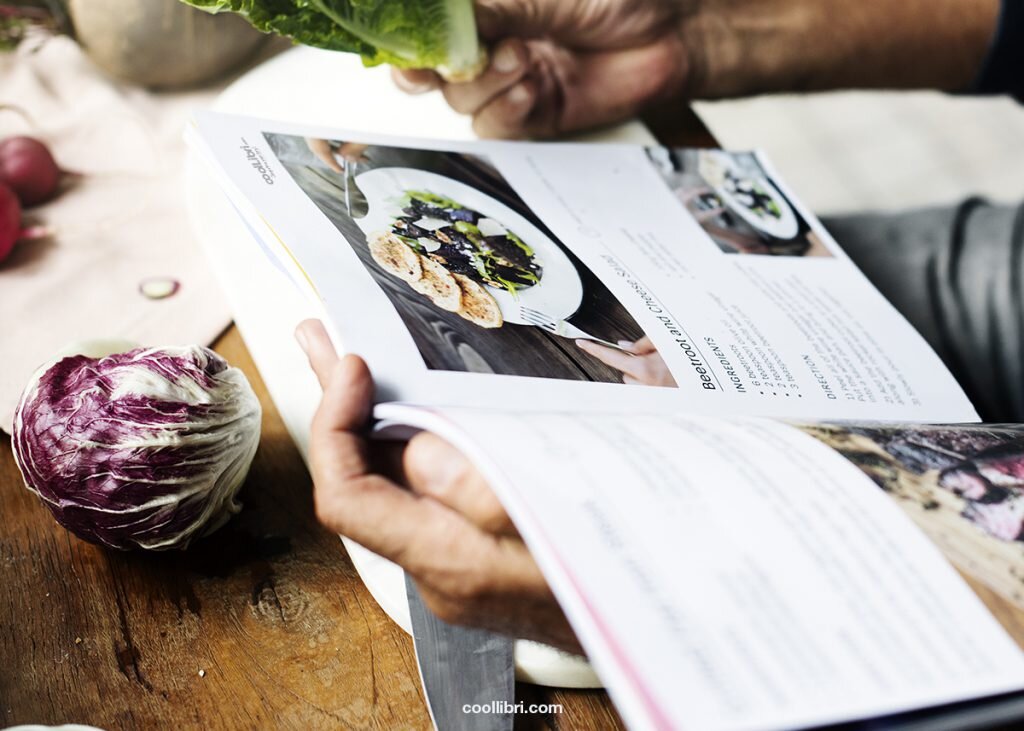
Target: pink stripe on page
x,y
654,711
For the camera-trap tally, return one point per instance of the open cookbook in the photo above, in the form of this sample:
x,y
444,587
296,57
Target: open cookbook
x,y
722,445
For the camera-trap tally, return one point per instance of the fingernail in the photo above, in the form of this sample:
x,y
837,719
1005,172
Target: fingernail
x,y
409,86
520,95
626,343
506,60
303,341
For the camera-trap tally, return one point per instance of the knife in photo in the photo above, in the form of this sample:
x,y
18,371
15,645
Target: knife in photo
x,y
462,667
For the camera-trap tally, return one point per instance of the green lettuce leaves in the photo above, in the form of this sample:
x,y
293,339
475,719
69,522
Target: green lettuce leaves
x,y
436,34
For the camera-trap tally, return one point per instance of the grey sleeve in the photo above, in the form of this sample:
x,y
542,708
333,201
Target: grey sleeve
x,y
957,274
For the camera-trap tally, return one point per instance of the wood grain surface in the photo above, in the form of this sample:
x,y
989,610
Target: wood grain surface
x,y
265,624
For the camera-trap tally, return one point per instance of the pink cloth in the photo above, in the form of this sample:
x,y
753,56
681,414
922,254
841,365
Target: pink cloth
x,y
123,222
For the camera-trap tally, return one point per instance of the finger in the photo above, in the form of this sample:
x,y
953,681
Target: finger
x,y
609,356
708,215
424,537
492,570
353,151
644,346
436,469
316,343
415,81
369,508
375,512
345,407
503,591
695,192
656,72
508,65
347,384
540,620
324,153
573,90
506,115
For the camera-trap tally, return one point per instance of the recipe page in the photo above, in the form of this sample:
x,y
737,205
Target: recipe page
x,y
611,277
743,575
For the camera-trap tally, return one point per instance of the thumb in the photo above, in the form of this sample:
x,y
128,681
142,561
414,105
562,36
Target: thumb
x,y
347,402
313,338
346,383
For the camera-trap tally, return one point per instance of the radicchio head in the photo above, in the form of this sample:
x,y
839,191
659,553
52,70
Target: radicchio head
x,y
146,448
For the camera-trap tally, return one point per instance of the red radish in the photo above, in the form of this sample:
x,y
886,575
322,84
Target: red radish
x,y
10,220
29,169
10,223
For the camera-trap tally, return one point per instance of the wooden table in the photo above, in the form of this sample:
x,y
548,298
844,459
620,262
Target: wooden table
x,y
263,625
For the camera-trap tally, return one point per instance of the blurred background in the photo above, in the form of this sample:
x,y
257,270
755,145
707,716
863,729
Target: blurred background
x,y
843,152
854,152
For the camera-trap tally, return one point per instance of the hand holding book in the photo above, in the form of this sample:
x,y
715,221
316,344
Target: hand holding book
x,y
446,529
557,67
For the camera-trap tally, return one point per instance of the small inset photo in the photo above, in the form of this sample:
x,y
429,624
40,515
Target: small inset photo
x,y
737,203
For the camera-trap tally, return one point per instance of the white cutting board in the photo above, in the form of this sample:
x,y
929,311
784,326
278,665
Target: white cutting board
x,y
312,87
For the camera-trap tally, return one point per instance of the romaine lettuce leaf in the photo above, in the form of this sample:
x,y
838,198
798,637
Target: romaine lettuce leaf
x,y
437,34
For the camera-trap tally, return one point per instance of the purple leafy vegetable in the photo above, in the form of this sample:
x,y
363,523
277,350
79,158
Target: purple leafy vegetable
x,y
141,449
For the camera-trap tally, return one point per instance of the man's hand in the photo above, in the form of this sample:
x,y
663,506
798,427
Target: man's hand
x,y
447,529
565,65
560,66
328,152
641,363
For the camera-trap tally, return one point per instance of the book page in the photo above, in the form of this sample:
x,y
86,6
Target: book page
x,y
735,574
571,276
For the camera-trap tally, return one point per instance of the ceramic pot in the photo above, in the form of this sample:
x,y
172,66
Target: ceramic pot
x,y
161,44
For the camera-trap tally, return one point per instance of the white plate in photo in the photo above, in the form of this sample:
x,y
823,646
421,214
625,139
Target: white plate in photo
x,y
723,173
560,291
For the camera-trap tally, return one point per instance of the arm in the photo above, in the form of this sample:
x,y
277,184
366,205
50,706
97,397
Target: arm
x,y
744,47
560,66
